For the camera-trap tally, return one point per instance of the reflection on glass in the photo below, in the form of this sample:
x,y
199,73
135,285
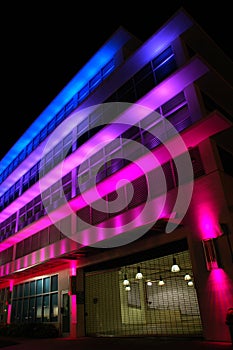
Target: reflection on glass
x,y
31,311
33,288
46,285
26,289
54,283
39,286
46,308
54,308
38,309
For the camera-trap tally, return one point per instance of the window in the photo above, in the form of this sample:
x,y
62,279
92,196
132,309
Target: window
x,y
39,286
36,301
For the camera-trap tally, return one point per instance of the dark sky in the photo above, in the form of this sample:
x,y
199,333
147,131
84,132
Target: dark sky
x,y
44,46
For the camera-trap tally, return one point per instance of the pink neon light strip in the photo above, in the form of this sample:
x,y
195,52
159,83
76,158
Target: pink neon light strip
x,y
159,95
194,135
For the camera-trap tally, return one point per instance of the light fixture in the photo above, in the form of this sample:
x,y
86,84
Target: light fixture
x,y
190,283
138,274
211,258
175,267
127,288
187,277
126,281
149,283
161,282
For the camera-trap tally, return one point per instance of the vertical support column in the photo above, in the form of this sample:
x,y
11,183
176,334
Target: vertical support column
x,y
73,300
9,301
80,304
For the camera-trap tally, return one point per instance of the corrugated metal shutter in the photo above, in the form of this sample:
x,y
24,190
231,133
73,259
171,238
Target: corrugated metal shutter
x,y
171,309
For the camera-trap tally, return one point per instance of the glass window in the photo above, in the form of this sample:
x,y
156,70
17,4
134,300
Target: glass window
x,y
19,311
13,311
29,306
46,312
20,290
39,286
39,308
31,310
54,307
15,289
46,285
26,289
32,288
54,283
25,310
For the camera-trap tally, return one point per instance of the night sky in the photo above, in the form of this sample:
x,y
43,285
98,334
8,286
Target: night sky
x,y
44,46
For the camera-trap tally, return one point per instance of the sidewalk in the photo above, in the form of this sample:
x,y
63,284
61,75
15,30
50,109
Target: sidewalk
x,y
147,343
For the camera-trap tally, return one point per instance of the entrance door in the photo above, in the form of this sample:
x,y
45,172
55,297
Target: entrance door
x,y
65,313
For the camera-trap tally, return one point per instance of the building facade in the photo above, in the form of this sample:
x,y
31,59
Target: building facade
x,y
127,172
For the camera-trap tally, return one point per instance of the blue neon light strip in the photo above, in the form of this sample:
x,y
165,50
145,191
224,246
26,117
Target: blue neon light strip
x,y
99,60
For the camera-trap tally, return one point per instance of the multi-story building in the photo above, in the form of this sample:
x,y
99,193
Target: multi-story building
x,y
127,171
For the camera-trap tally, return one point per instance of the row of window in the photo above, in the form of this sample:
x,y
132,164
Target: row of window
x,y
37,241
35,209
35,301
150,75
40,286
143,189
41,239
6,256
59,117
93,172
174,107
35,309
175,110
42,167
164,63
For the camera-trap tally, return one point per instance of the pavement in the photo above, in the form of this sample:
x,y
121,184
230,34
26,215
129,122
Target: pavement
x,y
87,343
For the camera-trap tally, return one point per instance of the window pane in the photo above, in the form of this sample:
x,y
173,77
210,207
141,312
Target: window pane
x,y
46,308
15,291
38,309
32,288
54,283
20,290
25,311
13,311
31,311
38,286
19,308
46,285
54,308
26,289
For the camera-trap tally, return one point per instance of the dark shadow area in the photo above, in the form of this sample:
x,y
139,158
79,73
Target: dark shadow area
x,y
6,342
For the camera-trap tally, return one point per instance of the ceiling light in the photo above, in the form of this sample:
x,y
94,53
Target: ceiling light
x,y
187,277
175,267
126,281
161,282
139,274
190,283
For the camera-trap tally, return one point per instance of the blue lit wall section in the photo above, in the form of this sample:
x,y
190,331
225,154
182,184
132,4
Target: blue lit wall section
x,y
99,60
